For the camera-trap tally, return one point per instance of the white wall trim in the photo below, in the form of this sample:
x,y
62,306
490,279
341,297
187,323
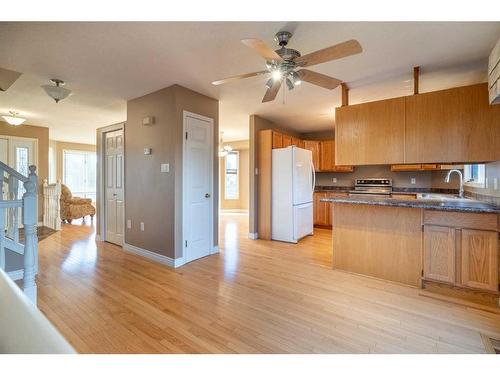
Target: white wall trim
x,y
155,257
253,235
16,275
98,237
215,250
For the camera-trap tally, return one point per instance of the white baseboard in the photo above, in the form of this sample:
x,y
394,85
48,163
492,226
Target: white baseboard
x,y
98,237
253,236
154,256
233,211
16,275
215,250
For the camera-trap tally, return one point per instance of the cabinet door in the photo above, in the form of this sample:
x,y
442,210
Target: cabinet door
x,y
455,125
277,140
479,263
439,253
370,133
314,147
406,167
287,140
327,155
295,142
320,209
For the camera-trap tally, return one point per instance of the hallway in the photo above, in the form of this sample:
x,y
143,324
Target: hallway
x,y
253,297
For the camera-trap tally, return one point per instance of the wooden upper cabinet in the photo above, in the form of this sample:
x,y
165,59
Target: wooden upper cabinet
x,y
439,253
287,140
455,125
479,266
370,133
295,141
327,155
277,140
314,147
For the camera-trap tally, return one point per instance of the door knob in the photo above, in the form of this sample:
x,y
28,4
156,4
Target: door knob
x,y
207,195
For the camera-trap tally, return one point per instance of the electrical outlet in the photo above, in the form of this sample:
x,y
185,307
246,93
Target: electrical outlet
x,y
334,180
142,226
486,183
495,183
413,181
129,224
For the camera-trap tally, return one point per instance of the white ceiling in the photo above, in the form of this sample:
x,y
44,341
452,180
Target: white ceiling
x,y
106,64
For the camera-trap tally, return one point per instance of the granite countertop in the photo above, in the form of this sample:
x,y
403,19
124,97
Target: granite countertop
x,y
464,205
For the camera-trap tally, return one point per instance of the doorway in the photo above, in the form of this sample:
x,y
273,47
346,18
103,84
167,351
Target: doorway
x,y
198,205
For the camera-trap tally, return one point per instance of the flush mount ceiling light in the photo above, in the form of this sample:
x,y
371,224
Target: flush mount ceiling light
x,y
57,92
13,119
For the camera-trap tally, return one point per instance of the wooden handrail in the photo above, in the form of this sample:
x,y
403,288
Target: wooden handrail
x,y
13,172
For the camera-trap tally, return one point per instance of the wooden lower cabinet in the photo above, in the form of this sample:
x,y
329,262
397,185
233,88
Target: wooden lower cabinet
x,y
479,260
439,253
460,256
321,210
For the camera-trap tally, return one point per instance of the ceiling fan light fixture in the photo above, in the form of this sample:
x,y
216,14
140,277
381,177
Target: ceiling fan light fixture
x,y
289,84
269,83
276,74
13,119
56,92
295,77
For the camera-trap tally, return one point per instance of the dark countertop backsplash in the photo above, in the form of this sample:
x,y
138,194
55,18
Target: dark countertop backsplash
x,y
346,189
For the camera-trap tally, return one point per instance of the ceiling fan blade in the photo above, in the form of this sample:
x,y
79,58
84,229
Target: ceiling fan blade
x,y
319,79
239,76
338,51
272,92
262,49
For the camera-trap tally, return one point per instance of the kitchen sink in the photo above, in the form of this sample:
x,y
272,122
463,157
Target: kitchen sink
x,y
441,197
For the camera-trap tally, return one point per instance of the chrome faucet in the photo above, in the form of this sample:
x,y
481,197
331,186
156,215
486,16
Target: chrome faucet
x,y
447,180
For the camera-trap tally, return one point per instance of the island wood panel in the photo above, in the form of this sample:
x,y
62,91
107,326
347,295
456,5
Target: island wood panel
x,y
455,125
370,133
439,253
264,178
383,242
479,266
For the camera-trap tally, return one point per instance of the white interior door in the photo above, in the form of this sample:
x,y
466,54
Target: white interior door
x,y
197,187
113,182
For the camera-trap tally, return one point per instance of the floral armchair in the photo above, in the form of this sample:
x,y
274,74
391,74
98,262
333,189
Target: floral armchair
x,y
74,207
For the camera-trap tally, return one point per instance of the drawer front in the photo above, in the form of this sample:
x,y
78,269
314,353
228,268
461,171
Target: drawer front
x,y
461,220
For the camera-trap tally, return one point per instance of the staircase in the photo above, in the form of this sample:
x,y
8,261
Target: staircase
x,y
18,207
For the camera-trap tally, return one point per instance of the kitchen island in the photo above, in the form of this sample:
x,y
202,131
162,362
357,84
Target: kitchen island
x,y
451,241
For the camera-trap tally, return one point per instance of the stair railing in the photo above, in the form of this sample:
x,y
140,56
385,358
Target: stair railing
x,y
12,205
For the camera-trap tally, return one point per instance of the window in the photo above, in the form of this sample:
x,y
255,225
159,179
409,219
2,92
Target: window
x,y
231,183
474,175
80,173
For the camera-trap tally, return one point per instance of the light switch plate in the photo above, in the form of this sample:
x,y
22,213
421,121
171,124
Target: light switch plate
x,y
129,224
148,151
142,226
495,183
334,180
165,168
413,181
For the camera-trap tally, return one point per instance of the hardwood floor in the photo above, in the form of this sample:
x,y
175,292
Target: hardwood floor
x,y
253,297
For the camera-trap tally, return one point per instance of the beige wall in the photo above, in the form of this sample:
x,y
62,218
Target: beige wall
x,y
152,197
42,134
60,147
242,202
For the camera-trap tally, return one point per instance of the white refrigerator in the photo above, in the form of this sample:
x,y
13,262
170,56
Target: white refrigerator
x,y
293,179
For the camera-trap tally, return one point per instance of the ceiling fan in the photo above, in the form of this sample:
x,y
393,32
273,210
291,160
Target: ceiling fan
x,y
285,64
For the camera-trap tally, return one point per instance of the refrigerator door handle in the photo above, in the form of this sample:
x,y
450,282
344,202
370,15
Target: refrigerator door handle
x,y
314,176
